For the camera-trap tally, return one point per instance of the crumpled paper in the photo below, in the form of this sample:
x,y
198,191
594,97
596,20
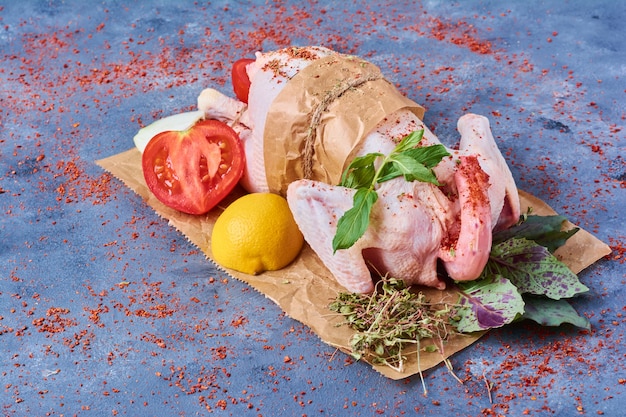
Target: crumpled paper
x,y
336,100
305,288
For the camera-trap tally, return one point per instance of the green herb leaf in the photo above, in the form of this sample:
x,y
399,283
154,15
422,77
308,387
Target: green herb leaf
x,y
545,230
429,156
412,170
549,312
533,269
410,141
354,222
487,303
361,171
415,171
415,164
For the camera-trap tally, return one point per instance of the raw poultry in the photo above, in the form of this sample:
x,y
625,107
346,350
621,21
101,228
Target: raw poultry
x,y
414,225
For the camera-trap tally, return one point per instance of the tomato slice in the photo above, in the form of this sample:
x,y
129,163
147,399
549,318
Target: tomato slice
x,y
193,170
241,82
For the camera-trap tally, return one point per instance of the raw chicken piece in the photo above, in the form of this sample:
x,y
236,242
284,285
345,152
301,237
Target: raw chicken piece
x,y
389,245
268,76
413,225
476,139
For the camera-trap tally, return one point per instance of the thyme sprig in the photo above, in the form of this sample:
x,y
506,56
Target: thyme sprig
x,y
390,320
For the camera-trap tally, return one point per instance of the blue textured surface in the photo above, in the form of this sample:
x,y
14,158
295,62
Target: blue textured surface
x,y
106,310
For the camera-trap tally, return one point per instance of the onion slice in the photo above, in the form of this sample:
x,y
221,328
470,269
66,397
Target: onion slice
x,y
176,122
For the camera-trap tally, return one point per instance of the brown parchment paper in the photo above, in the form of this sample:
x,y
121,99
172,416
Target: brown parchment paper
x,y
305,288
336,100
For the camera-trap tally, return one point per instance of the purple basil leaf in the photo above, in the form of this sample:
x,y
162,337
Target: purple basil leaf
x,y
533,269
487,303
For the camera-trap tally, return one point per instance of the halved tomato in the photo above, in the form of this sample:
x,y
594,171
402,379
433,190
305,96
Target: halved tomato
x,y
240,79
195,169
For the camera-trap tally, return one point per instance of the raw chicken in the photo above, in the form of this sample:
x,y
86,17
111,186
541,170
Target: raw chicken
x,y
268,76
412,225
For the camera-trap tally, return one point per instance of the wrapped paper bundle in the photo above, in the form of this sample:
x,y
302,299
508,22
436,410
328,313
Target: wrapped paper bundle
x,y
317,120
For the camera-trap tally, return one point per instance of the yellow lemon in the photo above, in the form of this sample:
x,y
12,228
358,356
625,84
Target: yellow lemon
x,y
256,233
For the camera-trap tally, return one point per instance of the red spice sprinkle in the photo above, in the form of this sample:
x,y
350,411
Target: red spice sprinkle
x,y
54,322
459,33
171,67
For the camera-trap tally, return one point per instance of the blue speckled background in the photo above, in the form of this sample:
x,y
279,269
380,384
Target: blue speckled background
x,y
106,310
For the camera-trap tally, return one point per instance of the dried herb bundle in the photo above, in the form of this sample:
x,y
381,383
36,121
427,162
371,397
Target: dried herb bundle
x,y
390,321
